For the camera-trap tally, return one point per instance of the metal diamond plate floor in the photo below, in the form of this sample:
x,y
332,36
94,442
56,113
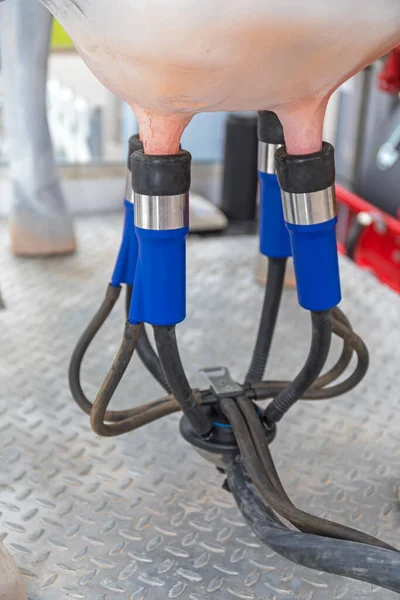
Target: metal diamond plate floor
x,y
142,516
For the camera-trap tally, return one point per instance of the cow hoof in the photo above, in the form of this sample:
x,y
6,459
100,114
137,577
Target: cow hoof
x,y
25,242
41,229
11,584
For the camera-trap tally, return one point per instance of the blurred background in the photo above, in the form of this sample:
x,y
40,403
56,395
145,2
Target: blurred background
x,y
53,471
90,128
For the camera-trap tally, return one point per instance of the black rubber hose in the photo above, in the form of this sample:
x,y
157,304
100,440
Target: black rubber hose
x,y
268,389
170,359
136,417
350,338
74,371
320,345
271,490
304,521
339,315
336,371
269,315
139,415
345,357
374,565
111,382
257,432
145,350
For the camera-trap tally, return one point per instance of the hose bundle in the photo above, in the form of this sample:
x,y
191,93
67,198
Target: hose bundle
x,y
372,563
252,476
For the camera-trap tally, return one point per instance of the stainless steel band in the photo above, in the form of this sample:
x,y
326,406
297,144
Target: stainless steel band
x,y
309,208
128,187
266,157
161,213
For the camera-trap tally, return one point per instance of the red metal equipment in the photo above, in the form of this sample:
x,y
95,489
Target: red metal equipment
x,y
389,78
366,234
369,236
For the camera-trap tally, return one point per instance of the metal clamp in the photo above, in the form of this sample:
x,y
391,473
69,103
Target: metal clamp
x,y
161,213
221,382
129,196
266,157
309,208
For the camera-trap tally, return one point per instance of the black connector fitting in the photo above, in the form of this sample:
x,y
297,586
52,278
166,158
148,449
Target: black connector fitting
x,y
270,130
306,173
221,440
154,175
134,144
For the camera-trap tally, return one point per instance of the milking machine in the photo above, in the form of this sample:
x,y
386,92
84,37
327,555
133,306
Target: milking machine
x,y
224,422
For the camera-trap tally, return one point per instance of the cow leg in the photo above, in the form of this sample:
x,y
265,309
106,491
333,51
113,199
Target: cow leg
x,y
11,584
40,223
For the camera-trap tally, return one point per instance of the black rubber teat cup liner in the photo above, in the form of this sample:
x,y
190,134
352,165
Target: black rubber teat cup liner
x,y
134,144
270,130
154,175
304,174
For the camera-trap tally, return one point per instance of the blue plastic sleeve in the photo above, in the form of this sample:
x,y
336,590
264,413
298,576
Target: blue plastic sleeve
x,y
316,264
159,291
125,266
274,236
